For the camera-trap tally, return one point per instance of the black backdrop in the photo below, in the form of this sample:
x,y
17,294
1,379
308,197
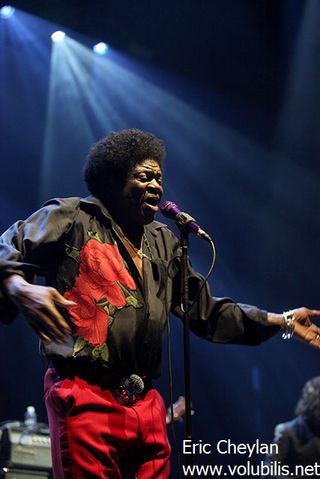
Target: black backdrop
x,y
232,88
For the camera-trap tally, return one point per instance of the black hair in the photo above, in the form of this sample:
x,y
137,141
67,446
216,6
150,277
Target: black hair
x,y
110,160
309,404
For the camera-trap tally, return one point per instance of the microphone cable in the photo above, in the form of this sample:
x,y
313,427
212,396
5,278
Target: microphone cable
x,y
205,278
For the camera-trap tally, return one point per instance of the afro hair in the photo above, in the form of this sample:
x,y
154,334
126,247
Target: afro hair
x,y
110,160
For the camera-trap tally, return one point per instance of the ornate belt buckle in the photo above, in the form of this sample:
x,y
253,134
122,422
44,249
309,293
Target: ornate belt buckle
x,y
129,390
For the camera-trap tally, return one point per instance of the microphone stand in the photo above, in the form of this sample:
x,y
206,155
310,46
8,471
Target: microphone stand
x,y
184,291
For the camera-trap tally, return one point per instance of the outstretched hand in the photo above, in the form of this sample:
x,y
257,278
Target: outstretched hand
x,y
304,329
38,305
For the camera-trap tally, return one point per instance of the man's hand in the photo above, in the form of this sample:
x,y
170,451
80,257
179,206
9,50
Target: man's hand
x,y
304,329
38,304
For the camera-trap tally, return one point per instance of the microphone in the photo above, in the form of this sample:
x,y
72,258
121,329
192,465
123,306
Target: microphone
x,y
183,220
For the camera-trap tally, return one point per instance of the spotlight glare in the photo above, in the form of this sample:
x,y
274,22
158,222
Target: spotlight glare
x,y
100,48
58,36
7,11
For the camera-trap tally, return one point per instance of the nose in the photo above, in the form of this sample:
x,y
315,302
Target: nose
x,y
155,185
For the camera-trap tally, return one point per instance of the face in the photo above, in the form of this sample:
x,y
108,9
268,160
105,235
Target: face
x,y
142,192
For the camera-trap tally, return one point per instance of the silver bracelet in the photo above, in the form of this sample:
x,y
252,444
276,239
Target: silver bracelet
x,y
289,320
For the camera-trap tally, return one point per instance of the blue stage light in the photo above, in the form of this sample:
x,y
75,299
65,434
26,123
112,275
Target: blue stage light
x,y
58,36
100,48
7,11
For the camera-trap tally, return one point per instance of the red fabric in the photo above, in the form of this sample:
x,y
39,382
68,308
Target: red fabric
x,y
93,436
101,272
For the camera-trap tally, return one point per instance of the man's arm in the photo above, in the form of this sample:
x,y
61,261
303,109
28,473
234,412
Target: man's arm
x,y
30,247
222,320
38,305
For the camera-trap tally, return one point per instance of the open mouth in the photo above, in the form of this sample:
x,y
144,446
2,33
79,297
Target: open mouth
x,y
152,202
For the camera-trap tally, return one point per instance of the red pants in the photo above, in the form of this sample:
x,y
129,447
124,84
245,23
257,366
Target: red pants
x,y
93,436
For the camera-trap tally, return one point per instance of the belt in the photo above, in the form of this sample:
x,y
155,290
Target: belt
x,y
127,390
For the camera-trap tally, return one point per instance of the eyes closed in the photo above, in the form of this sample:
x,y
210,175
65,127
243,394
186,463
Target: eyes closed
x,y
148,176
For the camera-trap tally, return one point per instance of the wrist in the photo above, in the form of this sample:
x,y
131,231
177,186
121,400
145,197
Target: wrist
x,y
275,319
11,284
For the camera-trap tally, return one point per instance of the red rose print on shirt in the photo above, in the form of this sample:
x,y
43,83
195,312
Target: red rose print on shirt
x,y
91,321
101,272
102,262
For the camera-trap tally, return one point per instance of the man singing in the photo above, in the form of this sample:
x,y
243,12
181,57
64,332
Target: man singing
x,y
112,277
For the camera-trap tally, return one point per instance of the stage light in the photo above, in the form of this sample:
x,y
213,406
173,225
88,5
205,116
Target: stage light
x,y
7,11
100,48
58,36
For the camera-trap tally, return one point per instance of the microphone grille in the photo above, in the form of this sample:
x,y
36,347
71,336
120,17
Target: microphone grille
x,y
169,209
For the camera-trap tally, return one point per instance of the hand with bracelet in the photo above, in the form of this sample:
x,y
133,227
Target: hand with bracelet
x,y
297,322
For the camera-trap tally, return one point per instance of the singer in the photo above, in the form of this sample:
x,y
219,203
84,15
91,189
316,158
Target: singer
x,y
112,276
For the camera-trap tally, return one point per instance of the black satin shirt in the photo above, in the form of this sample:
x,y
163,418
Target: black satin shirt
x,y
119,319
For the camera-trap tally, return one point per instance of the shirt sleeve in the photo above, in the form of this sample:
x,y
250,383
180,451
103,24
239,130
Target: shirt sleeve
x,y
220,320
30,247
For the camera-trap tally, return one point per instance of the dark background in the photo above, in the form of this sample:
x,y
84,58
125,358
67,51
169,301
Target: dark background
x,y
233,89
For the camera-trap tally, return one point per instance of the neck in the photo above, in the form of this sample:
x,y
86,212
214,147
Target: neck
x,y
134,235
131,229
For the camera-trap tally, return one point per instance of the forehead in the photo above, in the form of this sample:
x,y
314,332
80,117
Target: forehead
x,y
147,165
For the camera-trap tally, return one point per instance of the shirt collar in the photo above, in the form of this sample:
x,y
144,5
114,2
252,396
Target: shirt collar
x,y
153,227
97,204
